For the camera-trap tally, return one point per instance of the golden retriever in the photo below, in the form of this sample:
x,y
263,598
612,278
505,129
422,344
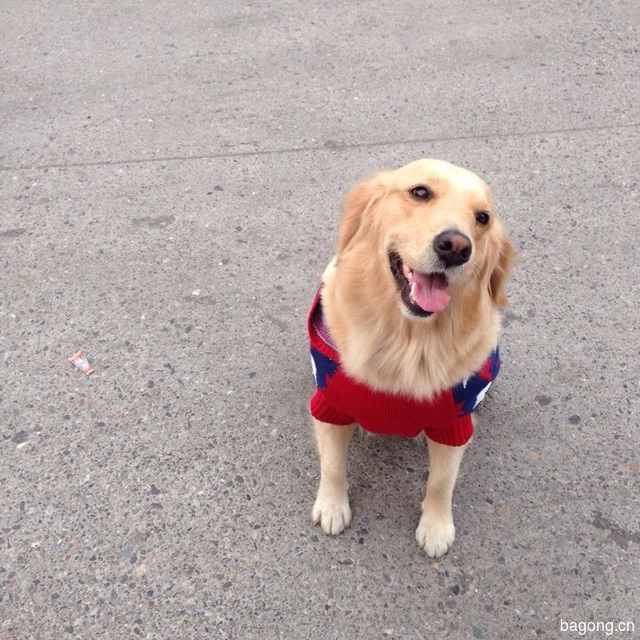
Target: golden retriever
x,y
407,315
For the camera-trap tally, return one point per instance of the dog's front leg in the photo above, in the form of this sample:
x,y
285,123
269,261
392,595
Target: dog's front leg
x,y
436,531
331,508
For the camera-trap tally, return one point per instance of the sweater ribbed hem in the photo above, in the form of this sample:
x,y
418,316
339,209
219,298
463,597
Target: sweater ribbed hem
x,y
455,435
323,411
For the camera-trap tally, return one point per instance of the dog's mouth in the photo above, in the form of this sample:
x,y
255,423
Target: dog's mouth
x,y
422,293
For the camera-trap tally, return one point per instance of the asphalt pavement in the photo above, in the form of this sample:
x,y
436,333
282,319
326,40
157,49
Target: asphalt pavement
x,y
171,177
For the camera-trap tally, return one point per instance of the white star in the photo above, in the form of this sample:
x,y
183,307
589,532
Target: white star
x,y
481,395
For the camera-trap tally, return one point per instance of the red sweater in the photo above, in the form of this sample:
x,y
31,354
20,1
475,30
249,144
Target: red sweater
x,y
341,399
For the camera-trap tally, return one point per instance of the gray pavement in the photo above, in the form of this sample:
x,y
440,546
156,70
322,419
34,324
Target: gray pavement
x,y
171,178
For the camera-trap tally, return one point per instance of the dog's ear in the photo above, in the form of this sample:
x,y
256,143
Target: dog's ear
x,y
501,268
357,207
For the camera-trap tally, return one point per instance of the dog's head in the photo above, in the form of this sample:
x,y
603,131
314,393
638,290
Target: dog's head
x,y
433,226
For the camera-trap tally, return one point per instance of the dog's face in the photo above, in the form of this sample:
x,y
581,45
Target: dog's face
x,y
434,225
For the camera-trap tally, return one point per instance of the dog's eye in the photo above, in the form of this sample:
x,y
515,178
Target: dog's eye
x,y
482,217
421,192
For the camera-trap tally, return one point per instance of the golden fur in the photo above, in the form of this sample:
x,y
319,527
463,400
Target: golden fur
x,y
377,342
383,344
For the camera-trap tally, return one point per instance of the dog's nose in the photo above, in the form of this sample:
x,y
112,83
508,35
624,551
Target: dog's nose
x,y
452,247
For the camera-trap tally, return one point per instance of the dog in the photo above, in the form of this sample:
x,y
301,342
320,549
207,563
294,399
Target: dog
x,y
404,329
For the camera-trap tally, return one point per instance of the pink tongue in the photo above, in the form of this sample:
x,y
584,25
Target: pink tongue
x,y
429,291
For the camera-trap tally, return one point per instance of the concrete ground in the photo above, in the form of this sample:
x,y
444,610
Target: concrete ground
x,y
171,179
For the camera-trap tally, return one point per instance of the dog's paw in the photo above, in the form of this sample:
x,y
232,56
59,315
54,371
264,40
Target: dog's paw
x,y
435,534
332,512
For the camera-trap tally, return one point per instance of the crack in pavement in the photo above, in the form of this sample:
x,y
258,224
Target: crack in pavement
x,y
327,146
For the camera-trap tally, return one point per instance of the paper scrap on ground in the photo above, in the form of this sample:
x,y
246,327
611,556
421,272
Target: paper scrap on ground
x,y
80,360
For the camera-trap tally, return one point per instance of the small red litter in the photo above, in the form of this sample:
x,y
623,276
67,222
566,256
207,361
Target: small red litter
x,y
80,360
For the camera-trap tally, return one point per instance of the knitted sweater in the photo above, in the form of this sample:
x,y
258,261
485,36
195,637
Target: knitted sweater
x,y
341,399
